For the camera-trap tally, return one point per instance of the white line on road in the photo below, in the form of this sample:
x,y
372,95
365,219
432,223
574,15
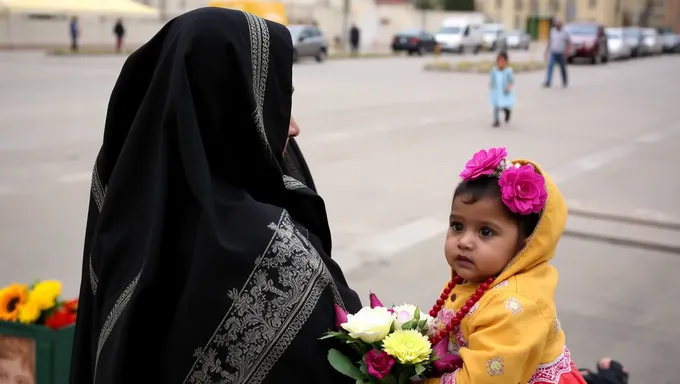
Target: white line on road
x,y
76,177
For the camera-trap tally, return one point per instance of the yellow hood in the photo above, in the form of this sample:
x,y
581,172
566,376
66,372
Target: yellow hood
x,y
541,245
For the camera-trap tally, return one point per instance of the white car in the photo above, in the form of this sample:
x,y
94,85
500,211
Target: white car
x,y
652,41
493,33
616,43
459,35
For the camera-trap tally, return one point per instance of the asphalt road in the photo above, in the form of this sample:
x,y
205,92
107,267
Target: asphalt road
x,y
385,142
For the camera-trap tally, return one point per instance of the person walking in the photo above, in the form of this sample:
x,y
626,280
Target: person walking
x,y
74,31
557,52
119,32
354,38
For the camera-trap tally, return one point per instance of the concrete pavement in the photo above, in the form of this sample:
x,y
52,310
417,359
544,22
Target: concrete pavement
x,y
385,142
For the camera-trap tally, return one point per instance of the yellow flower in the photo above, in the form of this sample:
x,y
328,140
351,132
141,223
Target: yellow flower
x,y
12,298
407,346
44,295
29,313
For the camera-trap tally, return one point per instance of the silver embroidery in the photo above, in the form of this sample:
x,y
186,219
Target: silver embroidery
x,y
292,183
513,305
259,54
267,313
113,317
502,284
98,191
94,280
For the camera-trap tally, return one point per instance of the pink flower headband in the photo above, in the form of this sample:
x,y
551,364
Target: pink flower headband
x,y
522,188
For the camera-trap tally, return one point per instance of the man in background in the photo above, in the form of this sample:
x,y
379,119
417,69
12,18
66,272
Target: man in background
x,y
74,31
557,52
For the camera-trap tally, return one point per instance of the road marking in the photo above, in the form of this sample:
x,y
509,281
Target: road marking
x,y
76,177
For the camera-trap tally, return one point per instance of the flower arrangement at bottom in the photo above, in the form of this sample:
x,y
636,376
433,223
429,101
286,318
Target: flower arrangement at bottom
x,y
391,345
37,304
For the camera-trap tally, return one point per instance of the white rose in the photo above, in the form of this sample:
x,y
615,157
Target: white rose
x,y
406,312
369,324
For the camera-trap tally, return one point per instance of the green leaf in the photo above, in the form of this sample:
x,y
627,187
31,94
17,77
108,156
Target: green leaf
x,y
344,365
422,324
411,324
405,377
419,369
388,380
416,315
337,335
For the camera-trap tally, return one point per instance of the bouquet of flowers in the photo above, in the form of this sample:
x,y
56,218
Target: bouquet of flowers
x,y
37,304
391,345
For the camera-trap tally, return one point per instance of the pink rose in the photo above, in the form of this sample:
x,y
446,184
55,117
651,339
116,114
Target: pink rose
x,y
523,190
483,163
340,316
379,363
446,362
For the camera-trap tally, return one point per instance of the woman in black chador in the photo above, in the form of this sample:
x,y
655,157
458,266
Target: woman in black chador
x,y
204,262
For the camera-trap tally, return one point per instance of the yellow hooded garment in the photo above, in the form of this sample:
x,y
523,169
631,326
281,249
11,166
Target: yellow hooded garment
x,y
512,334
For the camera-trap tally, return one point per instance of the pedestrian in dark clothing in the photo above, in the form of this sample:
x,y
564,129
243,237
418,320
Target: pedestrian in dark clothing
x,y
119,31
354,35
74,31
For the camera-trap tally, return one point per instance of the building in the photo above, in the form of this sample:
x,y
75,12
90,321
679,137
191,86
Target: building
x,y
516,13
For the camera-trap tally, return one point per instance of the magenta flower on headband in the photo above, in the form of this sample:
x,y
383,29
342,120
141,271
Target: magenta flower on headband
x,y
523,190
483,163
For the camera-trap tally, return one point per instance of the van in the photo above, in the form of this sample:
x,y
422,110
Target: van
x,y
460,35
270,10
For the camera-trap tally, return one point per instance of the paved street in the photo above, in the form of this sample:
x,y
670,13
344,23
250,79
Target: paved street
x,y
386,142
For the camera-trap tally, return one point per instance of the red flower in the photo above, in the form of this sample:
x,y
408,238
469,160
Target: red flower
x,y
61,318
379,363
71,305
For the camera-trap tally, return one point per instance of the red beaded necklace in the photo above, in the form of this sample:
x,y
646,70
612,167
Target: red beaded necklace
x,y
446,331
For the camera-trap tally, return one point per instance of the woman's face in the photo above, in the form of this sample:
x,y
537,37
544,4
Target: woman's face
x,y
13,372
293,131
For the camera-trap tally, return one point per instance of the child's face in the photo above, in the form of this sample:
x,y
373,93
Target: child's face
x,y
14,372
501,62
481,240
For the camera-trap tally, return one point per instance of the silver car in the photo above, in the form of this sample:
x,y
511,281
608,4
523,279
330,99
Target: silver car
x,y
617,44
308,41
633,38
652,40
516,40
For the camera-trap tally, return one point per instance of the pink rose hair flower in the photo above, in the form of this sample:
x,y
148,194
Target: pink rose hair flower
x,y
523,190
484,162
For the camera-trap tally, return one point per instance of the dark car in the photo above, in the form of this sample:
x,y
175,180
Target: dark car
x,y
413,41
588,41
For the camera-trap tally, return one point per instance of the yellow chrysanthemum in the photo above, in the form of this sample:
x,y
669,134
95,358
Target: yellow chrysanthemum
x,y
44,295
12,298
407,346
29,313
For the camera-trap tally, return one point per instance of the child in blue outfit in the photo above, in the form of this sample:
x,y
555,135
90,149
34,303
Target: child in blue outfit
x,y
502,96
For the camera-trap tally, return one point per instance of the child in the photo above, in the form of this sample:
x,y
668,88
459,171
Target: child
x,y
17,360
498,312
502,95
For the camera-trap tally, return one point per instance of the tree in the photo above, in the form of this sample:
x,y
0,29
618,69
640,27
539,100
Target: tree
x,y
458,5
423,4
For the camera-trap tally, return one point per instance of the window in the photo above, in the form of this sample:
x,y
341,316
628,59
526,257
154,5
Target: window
x,y
499,4
592,4
533,6
617,6
554,5
517,22
518,5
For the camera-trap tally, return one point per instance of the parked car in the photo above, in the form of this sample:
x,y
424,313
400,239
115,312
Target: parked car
x,y
633,37
308,41
413,41
671,42
588,41
617,44
652,41
460,34
515,39
493,34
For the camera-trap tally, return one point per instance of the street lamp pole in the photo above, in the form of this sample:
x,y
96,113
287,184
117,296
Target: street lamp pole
x,y
345,23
